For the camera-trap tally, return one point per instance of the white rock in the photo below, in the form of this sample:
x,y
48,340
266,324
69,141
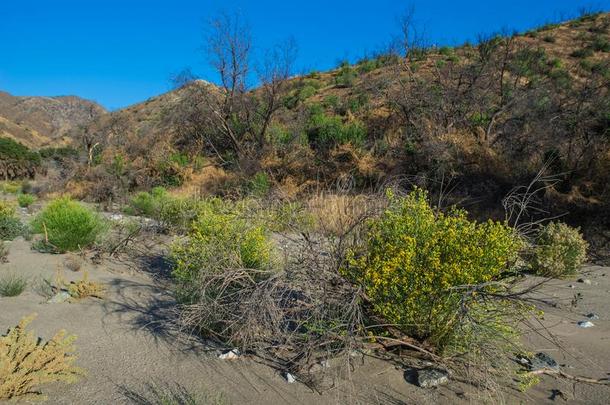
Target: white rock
x,y
230,355
586,324
290,378
61,296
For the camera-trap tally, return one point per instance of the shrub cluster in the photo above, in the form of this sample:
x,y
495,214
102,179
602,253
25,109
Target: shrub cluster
x,y
417,264
560,250
68,225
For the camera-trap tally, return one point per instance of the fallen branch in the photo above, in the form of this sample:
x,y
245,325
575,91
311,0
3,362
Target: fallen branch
x,y
554,373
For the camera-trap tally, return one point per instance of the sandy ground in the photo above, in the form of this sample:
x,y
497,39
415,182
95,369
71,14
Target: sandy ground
x,y
126,346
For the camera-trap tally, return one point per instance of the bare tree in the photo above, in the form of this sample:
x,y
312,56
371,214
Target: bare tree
x,y
273,74
88,135
233,117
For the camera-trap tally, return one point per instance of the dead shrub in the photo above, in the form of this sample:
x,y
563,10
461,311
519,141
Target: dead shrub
x,y
27,362
84,288
336,214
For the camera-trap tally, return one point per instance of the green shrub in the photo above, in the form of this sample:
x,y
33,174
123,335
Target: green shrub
x,y
345,77
12,285
331,101
68,225
549,38
600,44
220,238
260,184
25,200
143,203
329,130
279,135
10,225
582,53
414,260
11,187
12,150
560,250
446,50
58,153
177,213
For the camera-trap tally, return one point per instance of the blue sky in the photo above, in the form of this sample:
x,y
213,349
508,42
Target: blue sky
x,y
122,52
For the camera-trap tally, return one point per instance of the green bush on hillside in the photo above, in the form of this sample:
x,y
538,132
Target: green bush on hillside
x,y
346,76
560,250
418,264
12,150
329,130
68,225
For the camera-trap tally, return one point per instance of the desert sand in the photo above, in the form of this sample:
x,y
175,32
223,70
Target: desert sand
x,y
126,343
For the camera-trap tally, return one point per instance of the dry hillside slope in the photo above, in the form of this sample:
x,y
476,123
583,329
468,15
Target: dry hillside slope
x,y
44,121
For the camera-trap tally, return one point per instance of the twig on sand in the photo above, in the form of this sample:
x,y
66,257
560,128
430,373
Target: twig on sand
x,y
554,373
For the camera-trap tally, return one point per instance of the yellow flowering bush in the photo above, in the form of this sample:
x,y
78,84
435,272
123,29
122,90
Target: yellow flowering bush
x,y
219,238
560,250
418,262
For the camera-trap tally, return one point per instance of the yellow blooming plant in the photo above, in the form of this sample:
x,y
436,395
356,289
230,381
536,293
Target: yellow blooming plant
x,y
418,263
220,239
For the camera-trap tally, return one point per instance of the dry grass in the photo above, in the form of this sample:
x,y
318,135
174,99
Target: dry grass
x,y
27,362
84,288
336,214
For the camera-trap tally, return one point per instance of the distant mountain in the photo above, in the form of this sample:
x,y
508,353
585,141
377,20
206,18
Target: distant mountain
x,y
44,121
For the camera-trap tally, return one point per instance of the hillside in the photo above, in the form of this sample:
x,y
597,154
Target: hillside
x,y
470,122
487,116
44,121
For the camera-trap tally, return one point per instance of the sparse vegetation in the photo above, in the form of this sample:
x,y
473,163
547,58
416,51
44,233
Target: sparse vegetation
x,y
346,76
10,226
25,200
560,250
67,225
28,362
229,177
12,285
84,288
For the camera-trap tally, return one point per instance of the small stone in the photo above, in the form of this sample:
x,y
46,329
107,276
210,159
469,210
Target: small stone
x,y
584,281
230,355
431,377
116,217
290,378
542,361
592,316
60,297
572,286
586,324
